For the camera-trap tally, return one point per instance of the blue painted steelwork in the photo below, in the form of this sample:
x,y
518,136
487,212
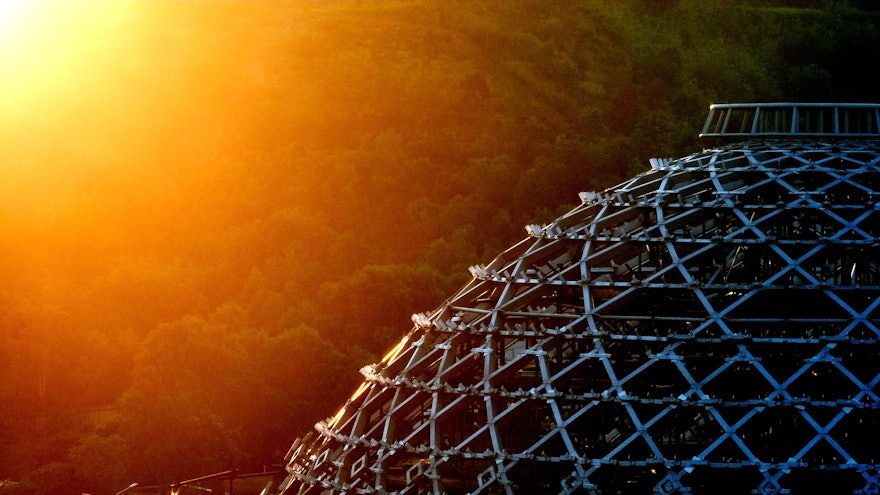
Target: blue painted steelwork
x,y
708,326
792,120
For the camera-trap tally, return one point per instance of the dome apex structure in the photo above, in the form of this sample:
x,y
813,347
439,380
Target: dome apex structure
x,y
708,326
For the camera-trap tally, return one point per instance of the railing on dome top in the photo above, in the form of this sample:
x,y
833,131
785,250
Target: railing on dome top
x,y
793,120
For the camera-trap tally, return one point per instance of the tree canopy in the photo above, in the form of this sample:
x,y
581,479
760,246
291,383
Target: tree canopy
x,y
214,213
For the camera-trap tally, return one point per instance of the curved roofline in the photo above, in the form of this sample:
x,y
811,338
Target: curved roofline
x,y
736,121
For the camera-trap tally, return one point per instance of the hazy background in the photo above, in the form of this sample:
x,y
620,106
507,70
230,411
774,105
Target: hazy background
x,y
212,214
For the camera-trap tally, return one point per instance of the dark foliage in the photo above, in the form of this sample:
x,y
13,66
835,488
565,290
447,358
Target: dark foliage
x,y
235,219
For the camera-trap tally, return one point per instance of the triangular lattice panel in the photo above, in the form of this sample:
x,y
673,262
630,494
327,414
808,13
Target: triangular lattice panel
x,y
713,320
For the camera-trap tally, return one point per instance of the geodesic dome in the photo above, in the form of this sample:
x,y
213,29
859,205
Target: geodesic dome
x,y
708,326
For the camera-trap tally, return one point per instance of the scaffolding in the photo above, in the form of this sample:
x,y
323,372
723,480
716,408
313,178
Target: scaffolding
x,y
708,326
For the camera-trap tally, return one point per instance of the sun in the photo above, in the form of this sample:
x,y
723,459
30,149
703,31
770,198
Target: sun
x,y
8,9
47,45
15,16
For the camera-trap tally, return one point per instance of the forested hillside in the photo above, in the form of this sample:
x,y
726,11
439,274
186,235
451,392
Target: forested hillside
x,y
212,214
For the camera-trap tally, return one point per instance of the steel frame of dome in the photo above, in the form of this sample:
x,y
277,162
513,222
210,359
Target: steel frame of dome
x,y
709,325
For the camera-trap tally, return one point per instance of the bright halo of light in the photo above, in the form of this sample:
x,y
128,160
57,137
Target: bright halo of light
x,y
8,9
45,44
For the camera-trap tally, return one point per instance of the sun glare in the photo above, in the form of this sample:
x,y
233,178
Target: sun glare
x,y
44,44
7,10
